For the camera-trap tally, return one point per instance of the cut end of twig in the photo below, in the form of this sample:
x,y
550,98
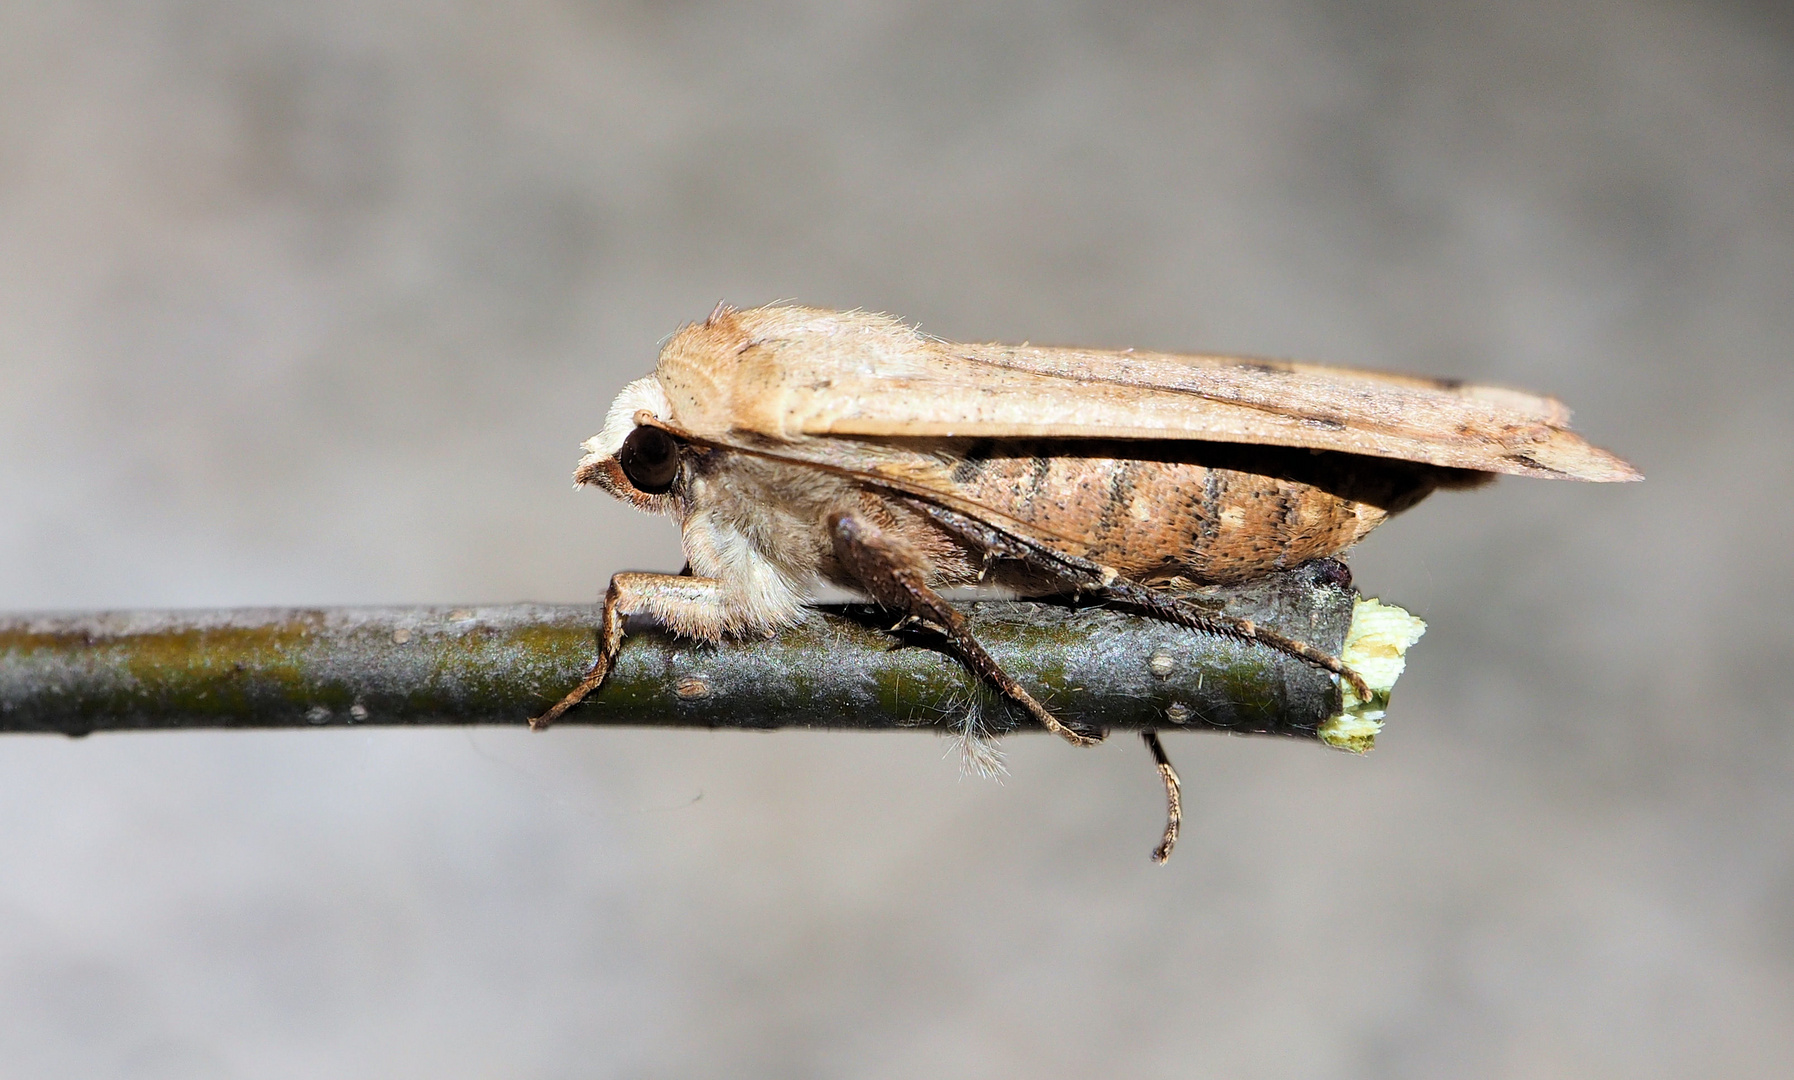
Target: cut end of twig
x,y
1376,647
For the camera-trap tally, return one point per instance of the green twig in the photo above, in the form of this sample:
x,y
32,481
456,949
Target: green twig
x,y
840,668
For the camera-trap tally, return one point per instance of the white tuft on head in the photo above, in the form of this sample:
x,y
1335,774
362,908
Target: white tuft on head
x,y
644,393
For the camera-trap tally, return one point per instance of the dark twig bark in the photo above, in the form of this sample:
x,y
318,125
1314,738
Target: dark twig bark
x,y
76,674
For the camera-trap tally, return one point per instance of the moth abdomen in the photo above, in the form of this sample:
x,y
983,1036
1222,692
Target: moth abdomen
x,y
1152,509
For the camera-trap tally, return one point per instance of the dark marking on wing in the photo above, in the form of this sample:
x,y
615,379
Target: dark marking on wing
x,y
1370,384
1531,464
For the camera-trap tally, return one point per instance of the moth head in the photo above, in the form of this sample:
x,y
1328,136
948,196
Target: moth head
x,y
637,463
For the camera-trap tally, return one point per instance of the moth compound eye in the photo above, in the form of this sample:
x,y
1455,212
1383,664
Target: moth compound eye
x,y
650,459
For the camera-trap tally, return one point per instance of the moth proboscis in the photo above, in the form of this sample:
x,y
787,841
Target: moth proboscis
x,y
799,447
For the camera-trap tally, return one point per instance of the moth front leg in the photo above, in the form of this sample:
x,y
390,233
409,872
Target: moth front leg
x,y
893,574
691,606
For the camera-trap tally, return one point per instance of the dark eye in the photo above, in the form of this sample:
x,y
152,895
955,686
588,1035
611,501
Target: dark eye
x,y
650,459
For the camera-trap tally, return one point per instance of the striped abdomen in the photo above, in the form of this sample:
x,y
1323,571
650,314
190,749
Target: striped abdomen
x,y
1209,512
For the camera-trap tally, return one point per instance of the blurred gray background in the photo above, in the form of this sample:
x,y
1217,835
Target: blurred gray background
x,y
311,304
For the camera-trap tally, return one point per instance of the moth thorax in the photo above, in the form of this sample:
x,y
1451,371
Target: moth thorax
x,y
697,371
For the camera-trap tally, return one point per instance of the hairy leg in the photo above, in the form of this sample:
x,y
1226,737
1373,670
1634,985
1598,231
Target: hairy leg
x,y
894,576
691,606
1178,610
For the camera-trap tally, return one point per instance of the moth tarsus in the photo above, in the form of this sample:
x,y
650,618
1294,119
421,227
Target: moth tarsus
x,y
1174,801
798,447
685,604
1185,613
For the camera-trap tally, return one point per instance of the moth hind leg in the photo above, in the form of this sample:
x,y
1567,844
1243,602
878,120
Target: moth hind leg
x,y
893,575
1079,575
1176,609
1174,800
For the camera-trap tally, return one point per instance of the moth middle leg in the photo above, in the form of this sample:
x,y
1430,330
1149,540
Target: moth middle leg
x,y
691,606
894,575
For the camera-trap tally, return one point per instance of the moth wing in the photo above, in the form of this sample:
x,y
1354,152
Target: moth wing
x,y
946,390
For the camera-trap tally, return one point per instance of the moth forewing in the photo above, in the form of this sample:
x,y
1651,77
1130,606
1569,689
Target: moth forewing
x,y
1165,397
787,372
798,447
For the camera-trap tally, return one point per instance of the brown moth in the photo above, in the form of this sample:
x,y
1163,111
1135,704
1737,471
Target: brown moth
x,y
798,447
